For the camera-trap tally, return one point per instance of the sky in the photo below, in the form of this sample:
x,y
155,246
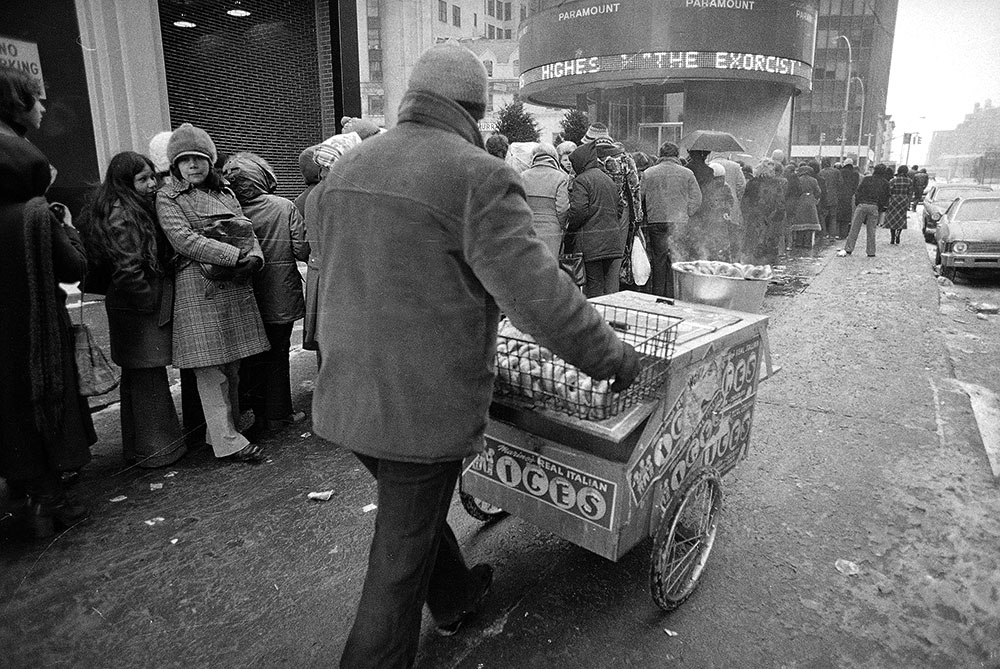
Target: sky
x,y
945,58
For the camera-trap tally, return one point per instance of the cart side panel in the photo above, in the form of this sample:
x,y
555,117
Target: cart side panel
x,y
574,495
705,419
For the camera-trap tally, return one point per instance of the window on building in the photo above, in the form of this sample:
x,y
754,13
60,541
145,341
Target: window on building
x,y
375,65
475,20
374,33
524,12
869,10
489,102
442,11
491,8
491,32
376,105
835,7
372,7
824,7
506,34
456,16
506,11
489,67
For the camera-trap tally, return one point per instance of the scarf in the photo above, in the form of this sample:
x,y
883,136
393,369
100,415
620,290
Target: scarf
x,y
47,336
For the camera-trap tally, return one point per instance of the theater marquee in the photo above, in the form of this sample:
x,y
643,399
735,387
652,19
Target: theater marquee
x,y
568,48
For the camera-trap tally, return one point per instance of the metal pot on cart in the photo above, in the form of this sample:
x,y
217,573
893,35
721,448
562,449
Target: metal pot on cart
x,y
606,470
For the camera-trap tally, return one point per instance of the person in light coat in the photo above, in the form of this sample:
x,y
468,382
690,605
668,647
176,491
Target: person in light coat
x,y
671,195
546,186
216,321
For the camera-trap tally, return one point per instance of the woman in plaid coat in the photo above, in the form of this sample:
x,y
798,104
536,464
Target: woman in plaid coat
x,y
216,322
900,192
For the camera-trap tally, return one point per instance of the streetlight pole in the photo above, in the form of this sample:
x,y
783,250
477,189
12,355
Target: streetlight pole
x,y
847,95
861,121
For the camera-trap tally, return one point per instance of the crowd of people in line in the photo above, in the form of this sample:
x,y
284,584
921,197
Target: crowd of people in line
x,y
196,257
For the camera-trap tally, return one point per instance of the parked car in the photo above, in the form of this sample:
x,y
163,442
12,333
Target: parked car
x,y
968,235
939,197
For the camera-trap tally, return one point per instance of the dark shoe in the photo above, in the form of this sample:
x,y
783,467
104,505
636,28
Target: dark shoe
x,y
257,431
251,453
484,572
44,519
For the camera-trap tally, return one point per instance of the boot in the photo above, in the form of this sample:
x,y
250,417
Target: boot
x,y
45,517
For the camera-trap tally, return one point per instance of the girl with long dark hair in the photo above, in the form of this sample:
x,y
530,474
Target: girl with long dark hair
x,y
125,241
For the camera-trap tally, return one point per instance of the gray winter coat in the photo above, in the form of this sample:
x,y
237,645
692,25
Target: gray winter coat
x,y
281,232
670,192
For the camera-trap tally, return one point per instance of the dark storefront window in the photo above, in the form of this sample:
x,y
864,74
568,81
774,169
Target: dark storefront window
x,y
376,105
456,16
251,82
442,11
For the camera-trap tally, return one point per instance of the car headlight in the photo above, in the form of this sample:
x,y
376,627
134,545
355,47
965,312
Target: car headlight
x,y
935,216
959,247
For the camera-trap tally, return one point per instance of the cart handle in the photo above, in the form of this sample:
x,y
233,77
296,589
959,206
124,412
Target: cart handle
x,y
618,325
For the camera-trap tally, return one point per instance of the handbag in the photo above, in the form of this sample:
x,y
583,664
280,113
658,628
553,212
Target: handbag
x,y
572,264
95,374
641,269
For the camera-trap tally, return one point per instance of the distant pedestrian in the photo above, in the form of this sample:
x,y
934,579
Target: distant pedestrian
x,y
871,198
738,184
125,241
831,183
670,196
849,180
702,172
764,214
498,145
792,191
778,156
564,150
216,319
547,189
593,224
920,181
804,222
277,287
900,195
709,234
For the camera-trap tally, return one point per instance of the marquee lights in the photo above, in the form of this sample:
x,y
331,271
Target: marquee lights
x,y
670,60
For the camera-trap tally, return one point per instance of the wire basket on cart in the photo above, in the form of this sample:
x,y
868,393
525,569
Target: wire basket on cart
x,y
530,372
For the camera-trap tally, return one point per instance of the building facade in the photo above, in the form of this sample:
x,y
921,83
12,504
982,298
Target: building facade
x,y
851,72
971,151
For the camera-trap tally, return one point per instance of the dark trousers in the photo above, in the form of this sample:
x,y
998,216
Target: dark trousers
x,y
151,433
602,276
414,558
662,276
264,381
828,219
192,415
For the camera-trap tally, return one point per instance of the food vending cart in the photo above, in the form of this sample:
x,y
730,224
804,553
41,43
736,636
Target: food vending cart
x,y
606,470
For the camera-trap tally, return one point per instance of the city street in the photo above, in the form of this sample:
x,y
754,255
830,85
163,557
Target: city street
x,y
862,531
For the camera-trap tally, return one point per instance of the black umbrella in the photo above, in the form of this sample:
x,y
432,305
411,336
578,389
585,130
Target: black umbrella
x,y
711,140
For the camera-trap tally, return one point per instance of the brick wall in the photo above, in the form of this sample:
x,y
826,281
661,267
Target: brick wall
x,y
254,82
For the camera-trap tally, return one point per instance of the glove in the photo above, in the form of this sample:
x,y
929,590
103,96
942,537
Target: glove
x,y
628,369
246,266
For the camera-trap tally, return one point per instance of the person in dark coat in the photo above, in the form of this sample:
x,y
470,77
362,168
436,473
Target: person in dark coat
x,y
709,234
830,183
849,180
871,200
216,322
702,172
920,181
281,232
764,214
900,195
45,426
804,216
122,236
593,225
437,241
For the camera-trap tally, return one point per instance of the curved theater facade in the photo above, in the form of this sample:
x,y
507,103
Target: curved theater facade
x,y
654,64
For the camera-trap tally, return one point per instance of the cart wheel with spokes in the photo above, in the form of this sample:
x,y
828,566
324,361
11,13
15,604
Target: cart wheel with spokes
x,y
684,539
478,508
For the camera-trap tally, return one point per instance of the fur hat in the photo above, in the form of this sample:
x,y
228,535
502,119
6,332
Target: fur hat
x,y
158,150
187,140
452,71
596,131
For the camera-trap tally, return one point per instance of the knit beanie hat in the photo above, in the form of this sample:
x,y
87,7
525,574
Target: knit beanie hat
x,y
187,140
158,150
452,71
596,131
